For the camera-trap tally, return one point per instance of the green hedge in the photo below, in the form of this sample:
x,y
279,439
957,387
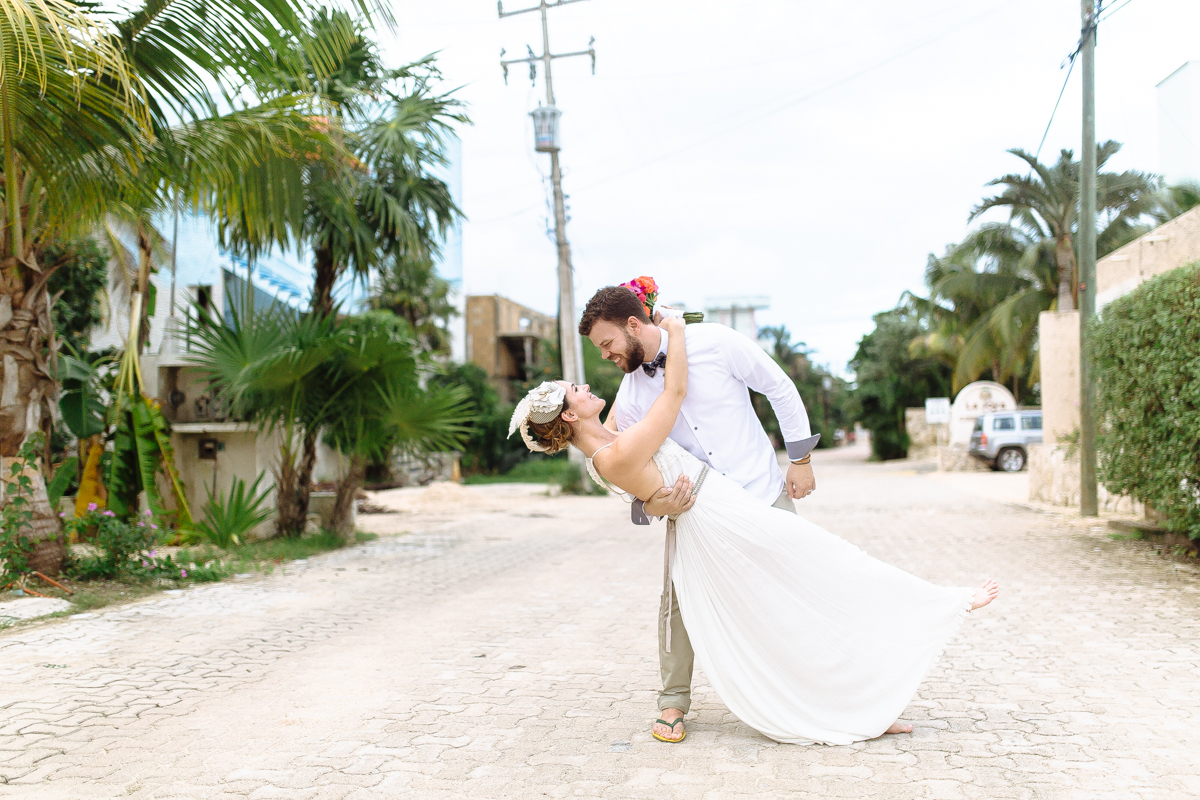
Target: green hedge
x,y
1146,357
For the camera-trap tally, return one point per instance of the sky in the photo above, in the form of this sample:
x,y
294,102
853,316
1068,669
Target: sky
x,y
816,153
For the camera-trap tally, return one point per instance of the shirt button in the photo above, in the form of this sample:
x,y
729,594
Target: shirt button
x,y
710,452
695,429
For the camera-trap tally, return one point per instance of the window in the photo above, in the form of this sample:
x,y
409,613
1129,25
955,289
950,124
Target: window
x,y
1031,423
1004,424
978,424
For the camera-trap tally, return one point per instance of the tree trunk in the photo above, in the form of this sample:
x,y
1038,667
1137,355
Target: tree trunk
x,y
28,393
308,460
343,506
287,520
325,274
293,485
1065,257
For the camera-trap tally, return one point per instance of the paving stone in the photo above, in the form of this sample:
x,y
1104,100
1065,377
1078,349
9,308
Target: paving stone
x,y
495,643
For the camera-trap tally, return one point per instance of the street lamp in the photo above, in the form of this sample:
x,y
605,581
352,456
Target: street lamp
x,y
545,128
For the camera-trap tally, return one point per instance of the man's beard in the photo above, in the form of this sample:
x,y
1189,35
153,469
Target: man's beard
x,y
635,354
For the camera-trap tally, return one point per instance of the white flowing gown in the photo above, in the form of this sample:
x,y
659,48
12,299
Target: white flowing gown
x,y
803,635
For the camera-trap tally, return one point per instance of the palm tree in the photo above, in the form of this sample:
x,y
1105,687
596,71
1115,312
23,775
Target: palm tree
x,y
411,289
380,406
205,65
986,293
985,297
358,379
376,199
70,105
379,198
1180,198
1044,204
271,367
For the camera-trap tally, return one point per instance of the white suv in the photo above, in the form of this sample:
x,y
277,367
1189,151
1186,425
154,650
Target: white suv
x,y
1000,438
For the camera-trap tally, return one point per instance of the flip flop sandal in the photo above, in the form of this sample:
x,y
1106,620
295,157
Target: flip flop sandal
x,y
670,725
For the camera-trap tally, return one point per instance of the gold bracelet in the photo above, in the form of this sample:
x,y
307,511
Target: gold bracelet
x,y
804,460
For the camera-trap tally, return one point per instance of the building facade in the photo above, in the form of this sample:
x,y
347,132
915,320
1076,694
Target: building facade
x,y
1179,124
505,338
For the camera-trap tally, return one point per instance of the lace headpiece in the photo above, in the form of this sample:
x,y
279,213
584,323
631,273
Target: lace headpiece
x,y
541,405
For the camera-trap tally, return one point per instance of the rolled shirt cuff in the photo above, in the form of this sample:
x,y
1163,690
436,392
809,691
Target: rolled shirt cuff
x,y
798,450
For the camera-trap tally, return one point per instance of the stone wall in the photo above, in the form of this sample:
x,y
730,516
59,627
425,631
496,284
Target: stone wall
x,y
424,469
956,458
1054,479
1170,245
922,437
1058,337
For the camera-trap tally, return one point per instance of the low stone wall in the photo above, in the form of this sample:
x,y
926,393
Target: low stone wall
x,y
1054,479
922,437
956,458
424,469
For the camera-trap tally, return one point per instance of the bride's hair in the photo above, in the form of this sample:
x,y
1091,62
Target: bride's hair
x,y
554,435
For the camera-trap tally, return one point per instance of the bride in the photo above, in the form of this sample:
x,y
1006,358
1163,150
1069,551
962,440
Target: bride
x,y
804,636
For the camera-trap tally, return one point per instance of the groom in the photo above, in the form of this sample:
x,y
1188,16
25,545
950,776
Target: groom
x,y
717,424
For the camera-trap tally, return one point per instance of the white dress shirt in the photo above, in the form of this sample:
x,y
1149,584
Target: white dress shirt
x,y
717,423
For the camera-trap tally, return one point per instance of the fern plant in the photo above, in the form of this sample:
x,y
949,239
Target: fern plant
x,y
227,519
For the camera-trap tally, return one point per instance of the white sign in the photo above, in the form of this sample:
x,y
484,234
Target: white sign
x,y
937,410
975,400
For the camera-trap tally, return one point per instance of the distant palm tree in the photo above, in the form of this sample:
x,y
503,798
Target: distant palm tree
x,y
1180,198
985,297
411,289
1044,205
986,293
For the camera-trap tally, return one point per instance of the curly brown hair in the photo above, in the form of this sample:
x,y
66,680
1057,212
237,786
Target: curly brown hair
x,y
614,304
554,435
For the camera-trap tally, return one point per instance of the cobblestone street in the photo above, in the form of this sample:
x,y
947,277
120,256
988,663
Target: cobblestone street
x,y
496,643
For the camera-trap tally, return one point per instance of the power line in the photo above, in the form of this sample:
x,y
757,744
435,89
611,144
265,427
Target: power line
x,y
1108,14
1101,16
803,98
1061,92
750,116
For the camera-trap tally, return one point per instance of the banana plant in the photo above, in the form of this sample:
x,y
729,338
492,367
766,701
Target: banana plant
x,y
142,435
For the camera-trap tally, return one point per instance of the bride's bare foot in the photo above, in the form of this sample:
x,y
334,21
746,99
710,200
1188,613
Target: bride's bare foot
x,y
899,727
985,594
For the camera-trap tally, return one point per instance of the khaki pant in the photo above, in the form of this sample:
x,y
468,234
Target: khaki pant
x,y
676,666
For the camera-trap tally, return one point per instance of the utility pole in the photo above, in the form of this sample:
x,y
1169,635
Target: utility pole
x,y
1088,500
547,141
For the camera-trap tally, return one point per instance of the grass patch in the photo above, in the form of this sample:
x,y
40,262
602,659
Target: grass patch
x,y
203,564
556,471
90,595
263,555
533,470
286,549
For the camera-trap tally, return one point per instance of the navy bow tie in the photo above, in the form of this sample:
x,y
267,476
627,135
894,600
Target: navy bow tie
x,y
660,362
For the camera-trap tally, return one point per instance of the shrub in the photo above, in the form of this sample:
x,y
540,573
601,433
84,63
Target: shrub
x,y
1146,356
122,544
890,379
16,516
227,520
488,448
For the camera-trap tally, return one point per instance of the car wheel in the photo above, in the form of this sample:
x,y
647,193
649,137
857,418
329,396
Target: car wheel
x,y
1011,459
